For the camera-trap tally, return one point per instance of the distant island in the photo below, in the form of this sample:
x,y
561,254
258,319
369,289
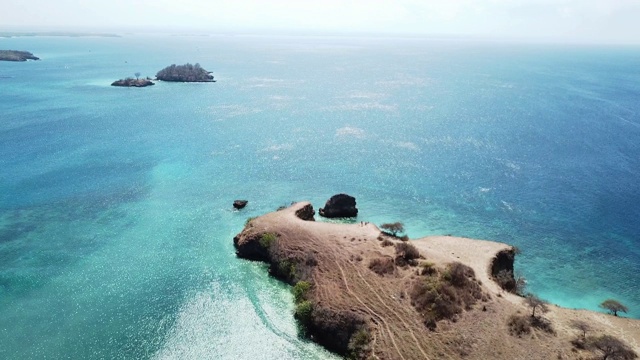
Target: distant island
x,y
10,34
185,73
131,82
15,55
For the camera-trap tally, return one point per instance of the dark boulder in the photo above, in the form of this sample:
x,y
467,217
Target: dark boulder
x,y
341,205
240,204
306,213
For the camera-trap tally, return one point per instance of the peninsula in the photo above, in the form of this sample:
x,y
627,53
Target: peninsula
x,y
364,293
15,55
185,73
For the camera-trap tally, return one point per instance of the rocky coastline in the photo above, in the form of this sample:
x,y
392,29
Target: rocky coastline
x,y
16,55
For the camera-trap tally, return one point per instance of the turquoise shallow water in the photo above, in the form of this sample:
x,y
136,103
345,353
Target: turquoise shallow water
x,y
115,204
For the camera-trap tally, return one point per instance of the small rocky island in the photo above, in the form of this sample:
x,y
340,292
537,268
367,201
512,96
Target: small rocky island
x,y
131,82
15,55
341,205
185,73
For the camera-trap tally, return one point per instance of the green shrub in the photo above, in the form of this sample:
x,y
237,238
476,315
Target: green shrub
x,y
286,269
303,312
428,268
358,343
300,291
249,219
267,239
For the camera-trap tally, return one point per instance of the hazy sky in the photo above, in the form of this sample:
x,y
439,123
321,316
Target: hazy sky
x,y
582,20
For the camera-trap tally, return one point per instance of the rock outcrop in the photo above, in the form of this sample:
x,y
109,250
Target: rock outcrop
x,y
341,205
240,204
130,82
15,55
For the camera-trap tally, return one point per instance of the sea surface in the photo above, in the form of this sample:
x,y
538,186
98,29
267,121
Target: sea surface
x,y
116,222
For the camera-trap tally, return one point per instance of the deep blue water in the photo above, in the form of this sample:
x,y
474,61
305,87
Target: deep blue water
x,y
115,204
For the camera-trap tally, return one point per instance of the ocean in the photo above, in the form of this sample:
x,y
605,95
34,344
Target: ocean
x,y
116,222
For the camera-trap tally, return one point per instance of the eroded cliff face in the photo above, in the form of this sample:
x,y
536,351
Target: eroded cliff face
x,y
248,246
503,261
502,269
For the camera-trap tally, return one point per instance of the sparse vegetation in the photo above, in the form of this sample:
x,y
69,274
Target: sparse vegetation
x,y
458,274
130,82
521,285
286,269
303,312
609,347
393,228
522,324
534,303
583,326
519,325
613,306
249,219
358,344
300,290
386,242
406,253
267,239
444,295
428,268
184,73
382,265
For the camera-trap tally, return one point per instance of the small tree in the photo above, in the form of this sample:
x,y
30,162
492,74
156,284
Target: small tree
x,y
582,326
393,228
137,75
611,348
613,306
534,303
